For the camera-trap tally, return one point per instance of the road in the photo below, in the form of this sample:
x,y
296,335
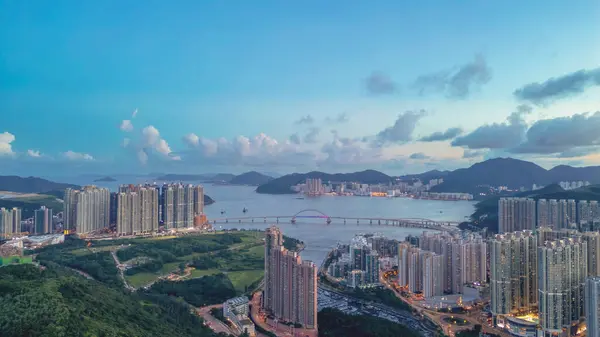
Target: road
x,y
121,269
84,274
215,324
438,318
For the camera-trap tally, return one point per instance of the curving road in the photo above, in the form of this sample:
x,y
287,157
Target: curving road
x,y
212,322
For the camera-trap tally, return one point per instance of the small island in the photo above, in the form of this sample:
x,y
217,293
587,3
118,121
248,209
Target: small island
x,y
105,179
208,200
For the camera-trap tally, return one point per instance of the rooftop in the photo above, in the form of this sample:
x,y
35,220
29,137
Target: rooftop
x,y
237,300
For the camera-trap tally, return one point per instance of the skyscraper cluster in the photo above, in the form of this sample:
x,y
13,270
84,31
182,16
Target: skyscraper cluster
x,y
10,221
538,279
137,210
562,271
86,210
134,209
420,270
179,204
513,273
515,214
290,292
359,264
463,258
314,186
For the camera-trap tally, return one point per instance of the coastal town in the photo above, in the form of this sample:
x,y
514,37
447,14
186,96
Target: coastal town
x,y
399,189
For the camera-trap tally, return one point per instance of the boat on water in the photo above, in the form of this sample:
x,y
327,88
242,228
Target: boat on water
x,y
245,210
300,198
222,212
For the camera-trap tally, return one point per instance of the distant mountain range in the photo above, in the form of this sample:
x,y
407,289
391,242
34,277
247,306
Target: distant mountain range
x,y
479,177
31,185
206,177
514,174
105,179
282,185
251,178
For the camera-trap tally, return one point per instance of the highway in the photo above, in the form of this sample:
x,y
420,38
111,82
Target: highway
x,y
438,318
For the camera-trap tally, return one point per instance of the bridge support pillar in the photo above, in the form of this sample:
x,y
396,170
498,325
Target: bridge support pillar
x,y
277,220
344,221
379,222
265,220
252,219
227,221
370,222
386,222
357,221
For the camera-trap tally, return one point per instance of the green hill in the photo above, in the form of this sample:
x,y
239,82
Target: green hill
x,y
31,185
252,178
58,302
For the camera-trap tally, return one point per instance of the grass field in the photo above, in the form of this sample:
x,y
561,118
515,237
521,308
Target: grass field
x,y
199,273
92,249
140,279
244,255
241,280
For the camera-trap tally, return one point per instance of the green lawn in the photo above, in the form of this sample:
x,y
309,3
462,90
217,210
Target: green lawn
x,y
244,278
241,259
169,267
258,251
199,273
140,279
92,249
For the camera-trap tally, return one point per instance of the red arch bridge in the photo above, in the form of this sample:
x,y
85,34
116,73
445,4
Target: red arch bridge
x,y
327,219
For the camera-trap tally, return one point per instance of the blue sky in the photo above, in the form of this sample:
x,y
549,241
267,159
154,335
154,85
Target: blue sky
x,y
221,85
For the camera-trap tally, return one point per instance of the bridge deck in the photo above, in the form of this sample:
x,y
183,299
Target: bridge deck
x,y
414,220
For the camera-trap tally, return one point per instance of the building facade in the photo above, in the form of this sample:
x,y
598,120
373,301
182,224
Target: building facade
x,y
10,222
290,292
179,204
86,210
513,273
562,271
516,214
592,306
42,220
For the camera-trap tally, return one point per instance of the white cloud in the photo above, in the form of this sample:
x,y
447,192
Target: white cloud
x,y
134,113
191,139
126,126
349,151
6,139
71,155
34,153
151,140
260,150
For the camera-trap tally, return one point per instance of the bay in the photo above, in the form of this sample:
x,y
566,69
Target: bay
x,y
318,237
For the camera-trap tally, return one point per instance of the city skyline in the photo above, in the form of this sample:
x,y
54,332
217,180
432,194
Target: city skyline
x,y
182,87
